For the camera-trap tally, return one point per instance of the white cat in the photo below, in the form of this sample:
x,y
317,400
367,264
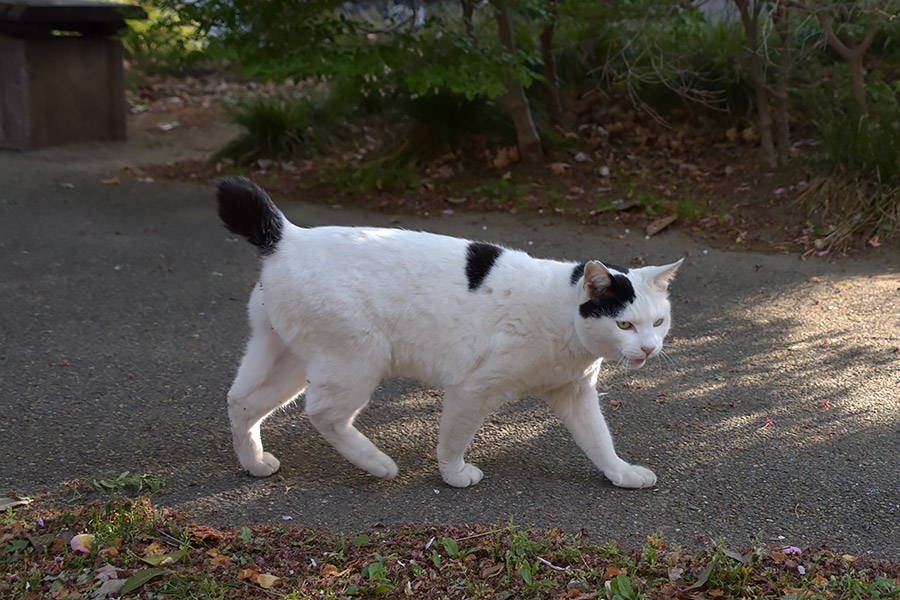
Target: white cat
x,y
337,309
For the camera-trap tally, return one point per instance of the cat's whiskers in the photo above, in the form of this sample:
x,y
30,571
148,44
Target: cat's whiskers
x,y
665,358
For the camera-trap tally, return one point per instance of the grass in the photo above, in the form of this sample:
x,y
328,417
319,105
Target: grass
x,y
129,548
859,196
281,127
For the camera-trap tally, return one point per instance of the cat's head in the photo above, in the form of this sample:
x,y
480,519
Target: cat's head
x,y
624,313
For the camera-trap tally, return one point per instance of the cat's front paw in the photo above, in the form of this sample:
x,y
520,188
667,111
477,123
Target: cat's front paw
x,y
263,467
382,466
468,475
632,476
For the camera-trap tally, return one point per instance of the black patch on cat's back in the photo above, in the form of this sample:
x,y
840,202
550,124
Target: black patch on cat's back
x,y
480,259
611,301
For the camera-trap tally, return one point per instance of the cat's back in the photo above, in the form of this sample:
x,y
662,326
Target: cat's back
x,y
379,256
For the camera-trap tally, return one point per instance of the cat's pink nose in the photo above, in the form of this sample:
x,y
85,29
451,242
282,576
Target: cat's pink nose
x,y
647,351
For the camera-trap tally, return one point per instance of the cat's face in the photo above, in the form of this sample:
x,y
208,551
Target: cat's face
x,y
625,315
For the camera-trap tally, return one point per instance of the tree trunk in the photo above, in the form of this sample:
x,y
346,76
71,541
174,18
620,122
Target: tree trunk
x,y
750,21
855,55
782,120
514,101
468,7
858,76
551,81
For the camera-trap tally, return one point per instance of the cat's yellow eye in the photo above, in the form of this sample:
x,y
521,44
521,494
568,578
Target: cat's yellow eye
x,y
623,324
658,322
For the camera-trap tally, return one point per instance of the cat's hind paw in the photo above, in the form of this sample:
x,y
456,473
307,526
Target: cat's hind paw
x,y
468,475
263,467
632,476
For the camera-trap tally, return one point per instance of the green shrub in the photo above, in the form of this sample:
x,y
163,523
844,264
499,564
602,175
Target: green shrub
x,y
860,195
163,43
864,145
276,127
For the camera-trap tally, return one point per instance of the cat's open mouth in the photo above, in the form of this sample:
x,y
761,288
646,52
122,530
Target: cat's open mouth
x,y
636,363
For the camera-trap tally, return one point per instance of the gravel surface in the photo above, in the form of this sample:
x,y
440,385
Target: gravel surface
x,y
122,321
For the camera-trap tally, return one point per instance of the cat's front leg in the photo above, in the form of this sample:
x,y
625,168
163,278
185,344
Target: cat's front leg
x,y
579,409
270,376
461,417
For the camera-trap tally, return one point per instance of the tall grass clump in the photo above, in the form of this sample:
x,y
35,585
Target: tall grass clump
x,y
859,196
280,127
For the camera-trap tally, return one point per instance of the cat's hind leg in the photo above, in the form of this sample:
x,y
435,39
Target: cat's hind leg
x,y
578,407
332,407
270,376
461,416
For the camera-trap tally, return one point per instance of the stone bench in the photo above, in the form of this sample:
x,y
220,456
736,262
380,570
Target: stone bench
x,y
61,76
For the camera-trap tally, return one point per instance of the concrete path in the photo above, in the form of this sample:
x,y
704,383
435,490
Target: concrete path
x,y
122,320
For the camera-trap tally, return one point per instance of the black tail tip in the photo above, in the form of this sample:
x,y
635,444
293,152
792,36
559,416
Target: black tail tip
x,y
248,211
239,187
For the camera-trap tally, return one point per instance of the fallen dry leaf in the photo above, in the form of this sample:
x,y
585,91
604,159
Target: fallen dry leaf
x,y
612,572
111,181
82,542
506,156
154,549
110,587
559,168
659,224
201,533
489,571
265,580
220,560
6,503
106,572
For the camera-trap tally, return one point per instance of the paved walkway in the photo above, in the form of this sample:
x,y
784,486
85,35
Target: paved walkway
x,y
122,320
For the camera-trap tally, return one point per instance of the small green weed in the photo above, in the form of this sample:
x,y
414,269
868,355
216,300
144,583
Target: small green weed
x,y
127,482
501,190
377,177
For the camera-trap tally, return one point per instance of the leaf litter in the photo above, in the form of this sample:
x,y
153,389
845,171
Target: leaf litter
x,y
500,560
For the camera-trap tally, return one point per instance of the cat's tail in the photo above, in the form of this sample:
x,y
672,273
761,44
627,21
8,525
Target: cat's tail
x,y
247,211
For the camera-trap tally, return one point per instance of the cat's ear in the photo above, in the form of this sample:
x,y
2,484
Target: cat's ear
x,y
663,275
597,278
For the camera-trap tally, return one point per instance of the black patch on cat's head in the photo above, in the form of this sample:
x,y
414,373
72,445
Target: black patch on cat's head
x,y
578,272
610,300
480,259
